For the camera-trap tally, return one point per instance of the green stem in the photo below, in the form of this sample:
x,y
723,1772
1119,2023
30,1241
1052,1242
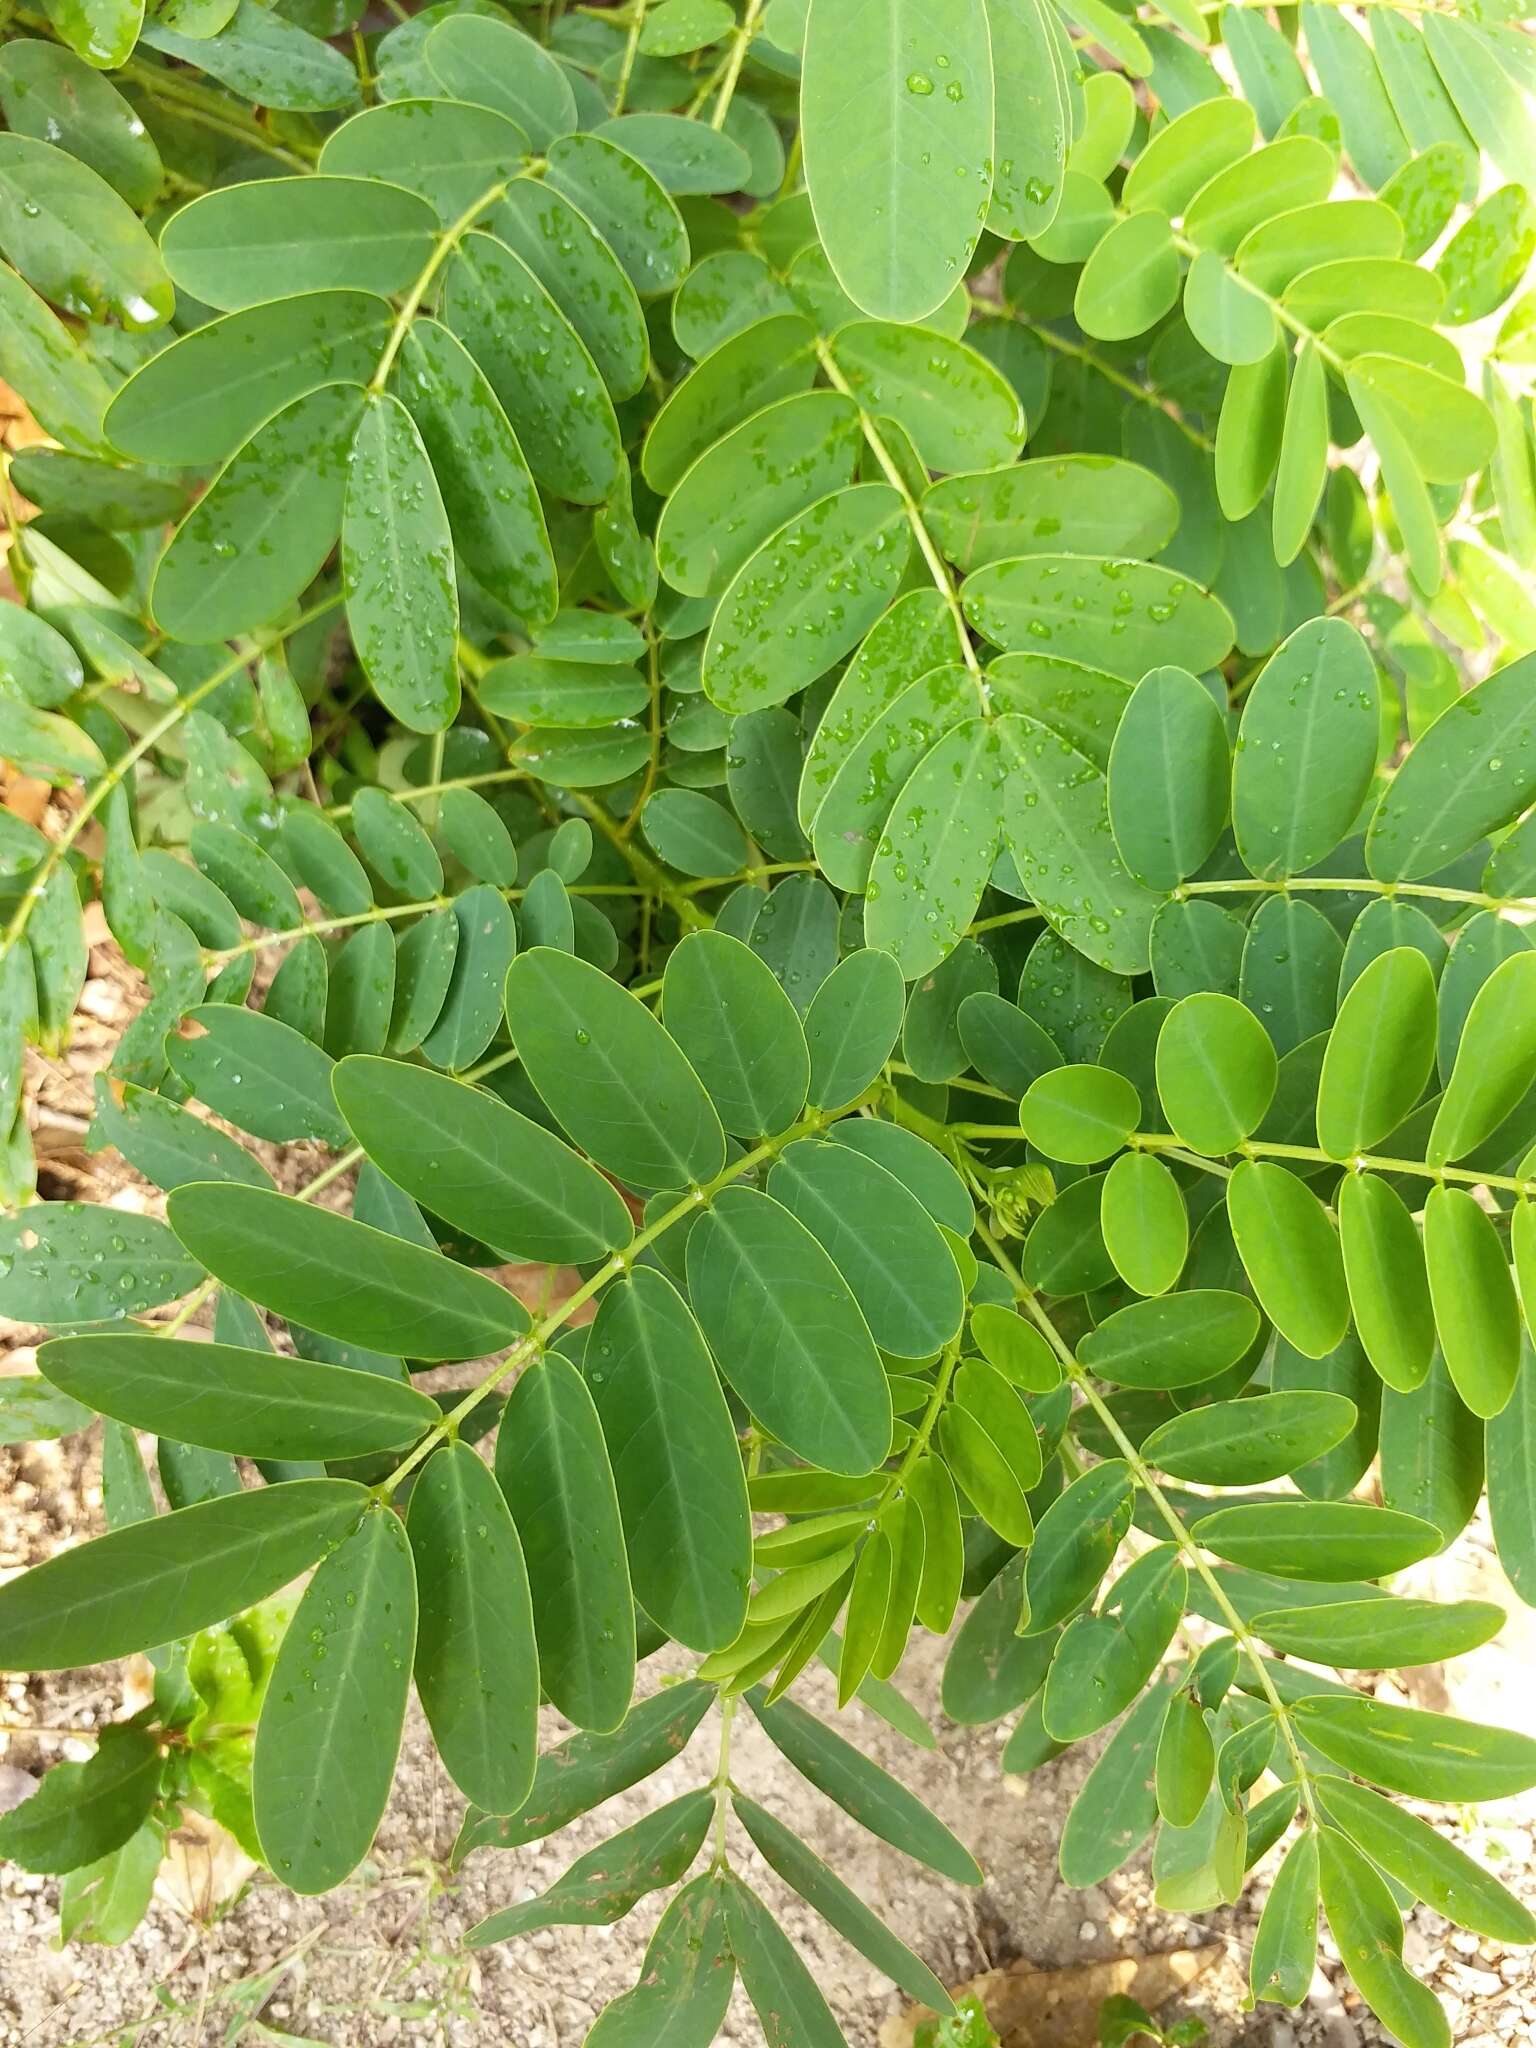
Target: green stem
x,y
381,913
410,305
728,1704
1141,1473
734,62
942,580
1257,1148
1360,885
627,62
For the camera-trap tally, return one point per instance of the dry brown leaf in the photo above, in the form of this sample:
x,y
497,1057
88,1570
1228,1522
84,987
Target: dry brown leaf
x,y
1033,2008
205,1868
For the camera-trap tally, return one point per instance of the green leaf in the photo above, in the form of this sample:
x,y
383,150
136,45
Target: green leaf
x,y
75,1262
537,365
477,1665
1495,1061
676,1464
1285,1946
880,1238
682,155
744,488
42,360
1117,1807
960,412
1216,1072
868,1794
1103,1660
1291,1254
787,1333
1033,120
614,1078
1123,617
1178,1340
852,1026
1229,319
1384,1634
75,240
226,1399
685,1980
1302,470
491,500
586,1770
1101,505
197,401
33,1412
841,1908
900,192
772,359
606,1883
782,1990
44,744
1426,1756
448,153
1079,1114
552,1465
49,94
1130,280
627,207
1380,1053
106,1900
1306,749
1476,1310
330,1724
397,564
396,1297
1296,171
480,1164
1056,826
1326,1540
849,823
1075,1544
250,547
82,1812
1365,1922
264,57
1167,778
1418,1856
274,237
1472,771
471,1007
1144,1222
1243,1443
694,834
809,594
1186,1760
937,848
492,64
157,1580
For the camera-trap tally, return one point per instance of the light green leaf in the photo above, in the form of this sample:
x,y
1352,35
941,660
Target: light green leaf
x,y
897,132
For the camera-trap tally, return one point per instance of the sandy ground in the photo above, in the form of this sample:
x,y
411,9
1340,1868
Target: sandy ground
x,y
225,1956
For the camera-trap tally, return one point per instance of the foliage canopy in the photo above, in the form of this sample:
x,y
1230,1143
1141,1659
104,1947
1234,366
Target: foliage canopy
x,y
816,659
